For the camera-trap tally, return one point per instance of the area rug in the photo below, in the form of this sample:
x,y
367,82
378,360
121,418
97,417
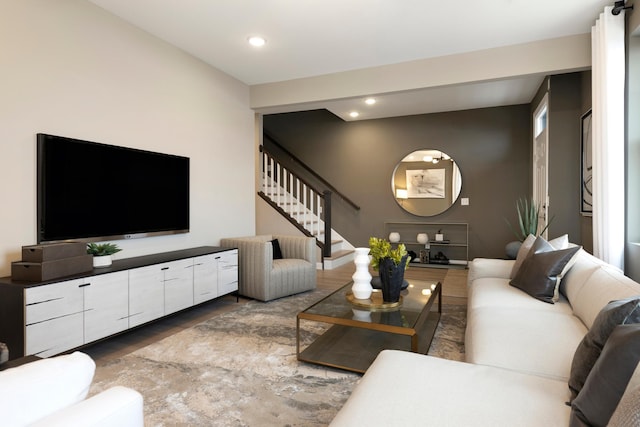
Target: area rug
x,y
240,369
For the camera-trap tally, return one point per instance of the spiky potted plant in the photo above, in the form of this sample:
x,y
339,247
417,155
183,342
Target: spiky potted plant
x,y
102,253
528,214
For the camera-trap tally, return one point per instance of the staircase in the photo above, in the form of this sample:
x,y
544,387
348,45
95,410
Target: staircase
x,y
304,206
341,253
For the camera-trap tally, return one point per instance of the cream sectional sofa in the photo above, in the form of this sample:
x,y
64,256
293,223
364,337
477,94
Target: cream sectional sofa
x,y
52,392
519,355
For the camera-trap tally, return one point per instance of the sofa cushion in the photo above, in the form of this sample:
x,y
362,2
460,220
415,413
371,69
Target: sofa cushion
x,y
480,268
613,314
117,406
575,278
543,268
494,292
37,389
536,342
605,284
440,392
609,377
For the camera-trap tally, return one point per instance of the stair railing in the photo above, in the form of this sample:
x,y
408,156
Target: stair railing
x,y
306,207
300,165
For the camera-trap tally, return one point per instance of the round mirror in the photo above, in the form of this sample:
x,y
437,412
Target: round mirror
x,y
426,182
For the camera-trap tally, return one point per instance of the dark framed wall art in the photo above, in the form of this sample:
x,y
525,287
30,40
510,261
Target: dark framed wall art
x,y
586,189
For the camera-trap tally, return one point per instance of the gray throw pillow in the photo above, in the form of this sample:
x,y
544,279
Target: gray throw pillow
x,y
615,313
541,271
609,378
561,242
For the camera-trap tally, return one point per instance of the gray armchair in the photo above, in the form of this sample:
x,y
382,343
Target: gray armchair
x,y
264,278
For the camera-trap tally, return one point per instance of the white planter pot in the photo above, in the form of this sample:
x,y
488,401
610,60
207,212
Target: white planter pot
x,y
422,238
102,261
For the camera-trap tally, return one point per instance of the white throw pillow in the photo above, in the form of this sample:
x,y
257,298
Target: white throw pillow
x,y
522,254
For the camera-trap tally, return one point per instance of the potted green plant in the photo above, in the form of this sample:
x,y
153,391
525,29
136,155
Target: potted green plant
x,y
391,264
381,248
102,253
528,213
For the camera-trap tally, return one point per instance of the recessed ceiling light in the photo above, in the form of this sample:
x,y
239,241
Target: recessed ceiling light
x,y
354,114
257,41
370,101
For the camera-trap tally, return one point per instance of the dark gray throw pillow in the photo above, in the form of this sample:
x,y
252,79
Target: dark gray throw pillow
x,y
615,313
277,252
609,377
542,269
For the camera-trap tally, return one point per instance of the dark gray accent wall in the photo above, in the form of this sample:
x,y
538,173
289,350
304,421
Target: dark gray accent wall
x,y
491,147
569,99
586,222
565,110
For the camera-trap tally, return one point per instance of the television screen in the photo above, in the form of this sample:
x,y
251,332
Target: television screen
x,y
88,190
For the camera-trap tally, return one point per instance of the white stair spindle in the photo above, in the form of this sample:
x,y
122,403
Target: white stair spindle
x,y
291,200
272,172
318,204
298,199
265,174
285,193
304,204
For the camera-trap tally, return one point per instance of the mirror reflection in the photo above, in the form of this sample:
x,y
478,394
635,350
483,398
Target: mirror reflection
x,y
426,182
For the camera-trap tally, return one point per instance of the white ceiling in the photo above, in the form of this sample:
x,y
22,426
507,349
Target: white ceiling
x,y
308,38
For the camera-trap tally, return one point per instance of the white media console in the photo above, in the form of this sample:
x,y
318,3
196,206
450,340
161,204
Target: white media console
x,y
49,318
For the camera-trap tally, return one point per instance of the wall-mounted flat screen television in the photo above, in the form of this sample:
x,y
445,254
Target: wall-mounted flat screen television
x,y
89,191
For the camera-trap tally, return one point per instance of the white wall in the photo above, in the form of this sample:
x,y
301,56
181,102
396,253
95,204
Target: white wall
x,y
70,68
539,58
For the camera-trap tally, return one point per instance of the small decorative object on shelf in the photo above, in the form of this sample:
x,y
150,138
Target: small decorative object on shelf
x,y
394,237
361,278
440,258
422,238
102,253
453,242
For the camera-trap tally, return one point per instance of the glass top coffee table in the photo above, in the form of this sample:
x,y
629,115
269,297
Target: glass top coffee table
x,y
342,332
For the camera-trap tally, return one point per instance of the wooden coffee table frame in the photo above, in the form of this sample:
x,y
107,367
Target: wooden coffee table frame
x,y
352,343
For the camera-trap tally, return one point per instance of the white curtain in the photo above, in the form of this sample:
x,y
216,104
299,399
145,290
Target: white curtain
x,y
608,73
